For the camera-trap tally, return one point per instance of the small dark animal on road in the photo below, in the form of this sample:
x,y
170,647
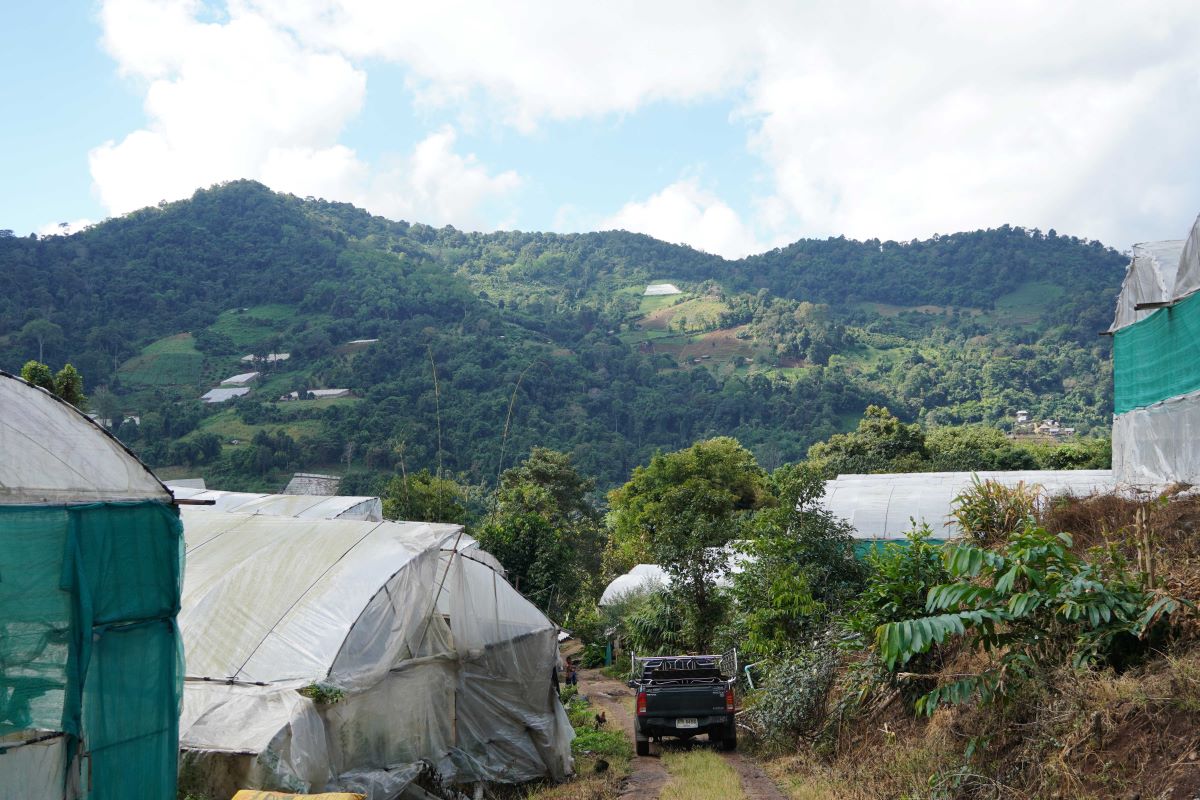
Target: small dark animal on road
x,y
600,720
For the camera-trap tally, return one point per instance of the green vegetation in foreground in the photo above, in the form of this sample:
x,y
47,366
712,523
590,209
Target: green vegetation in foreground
x,y
602,757
700,775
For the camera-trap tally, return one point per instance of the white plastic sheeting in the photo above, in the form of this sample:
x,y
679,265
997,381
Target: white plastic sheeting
x,y
459,677
1159,272
305,506
884,506
33,771
641,578
51,453
1157,445
1151,277
651,576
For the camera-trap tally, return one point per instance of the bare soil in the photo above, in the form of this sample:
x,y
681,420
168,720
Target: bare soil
x,y
648,775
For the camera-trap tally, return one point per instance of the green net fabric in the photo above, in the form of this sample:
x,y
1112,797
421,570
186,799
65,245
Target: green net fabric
x,y
88,641
1157,358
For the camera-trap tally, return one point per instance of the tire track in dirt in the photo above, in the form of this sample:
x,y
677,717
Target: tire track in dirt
x,y
648,775
755,783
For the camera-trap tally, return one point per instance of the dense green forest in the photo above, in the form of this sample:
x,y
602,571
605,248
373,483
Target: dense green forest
x,y
491,344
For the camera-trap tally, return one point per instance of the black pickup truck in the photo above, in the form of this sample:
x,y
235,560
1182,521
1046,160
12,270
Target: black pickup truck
x,y
684,696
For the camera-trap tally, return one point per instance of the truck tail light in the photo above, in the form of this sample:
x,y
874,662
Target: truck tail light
x,y
641,703
729,699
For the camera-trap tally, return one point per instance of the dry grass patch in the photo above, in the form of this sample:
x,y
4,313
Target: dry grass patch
x,y
700,775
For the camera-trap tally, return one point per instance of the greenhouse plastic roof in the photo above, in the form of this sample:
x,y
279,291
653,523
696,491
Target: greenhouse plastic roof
x,y
51,453
641,577
1159,272
882,506
272,598
304,506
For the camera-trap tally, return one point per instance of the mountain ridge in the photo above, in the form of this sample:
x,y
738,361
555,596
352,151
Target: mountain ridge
x,y
781,349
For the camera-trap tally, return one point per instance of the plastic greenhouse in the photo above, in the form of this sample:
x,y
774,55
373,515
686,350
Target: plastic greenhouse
x,y
90,563
339,654
882,507
1156,374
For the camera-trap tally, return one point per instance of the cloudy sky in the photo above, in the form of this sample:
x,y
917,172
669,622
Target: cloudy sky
x,y
733,127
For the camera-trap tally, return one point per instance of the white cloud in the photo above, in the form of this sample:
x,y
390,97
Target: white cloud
x,y
535,61
875,119
686,213
896,119
64,228
242,98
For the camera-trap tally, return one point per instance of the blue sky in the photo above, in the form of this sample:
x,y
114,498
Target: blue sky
x,y
733,128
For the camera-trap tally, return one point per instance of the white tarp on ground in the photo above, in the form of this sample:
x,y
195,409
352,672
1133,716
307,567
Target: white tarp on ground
x,y
883,506
464,682
51,453
306,506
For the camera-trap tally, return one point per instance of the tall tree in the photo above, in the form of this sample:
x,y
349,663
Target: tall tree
x,y
424,497
546,531
682,510
43,332
38,374
68,384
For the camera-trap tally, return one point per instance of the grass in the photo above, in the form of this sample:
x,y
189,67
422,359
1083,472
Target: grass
x,y
601,758
1029,302
700,775
254,325
228,425
173,361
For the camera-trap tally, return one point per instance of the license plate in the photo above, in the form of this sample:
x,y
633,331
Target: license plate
x,y
686,722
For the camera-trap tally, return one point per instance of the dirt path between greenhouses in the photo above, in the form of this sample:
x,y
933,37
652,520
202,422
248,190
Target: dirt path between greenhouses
x,y
648,775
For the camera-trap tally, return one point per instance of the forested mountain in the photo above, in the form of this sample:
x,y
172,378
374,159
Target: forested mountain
x,y
780,350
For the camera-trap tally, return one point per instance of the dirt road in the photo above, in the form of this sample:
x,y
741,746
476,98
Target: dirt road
x,y
649,776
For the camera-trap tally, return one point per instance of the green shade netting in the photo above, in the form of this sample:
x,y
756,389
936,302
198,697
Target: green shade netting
x,y
88,641
1158,357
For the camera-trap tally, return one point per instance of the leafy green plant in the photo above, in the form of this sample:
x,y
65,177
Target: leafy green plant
x,y
1035,606
899,579
790,703
593,655
988,510
323,693
599,742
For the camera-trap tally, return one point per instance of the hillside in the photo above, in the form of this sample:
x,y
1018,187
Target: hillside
x,y
780,350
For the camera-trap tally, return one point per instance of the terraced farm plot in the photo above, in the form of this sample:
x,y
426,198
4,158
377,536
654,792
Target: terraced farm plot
x,y
697,311
253,326
173,361
1029,302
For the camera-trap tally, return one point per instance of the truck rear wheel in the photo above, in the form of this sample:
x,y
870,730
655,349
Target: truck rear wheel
x,y
642,745
729,742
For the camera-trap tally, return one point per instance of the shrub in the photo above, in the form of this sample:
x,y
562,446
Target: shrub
x,y
897,585
988,511
790,704
1036,606
593,655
